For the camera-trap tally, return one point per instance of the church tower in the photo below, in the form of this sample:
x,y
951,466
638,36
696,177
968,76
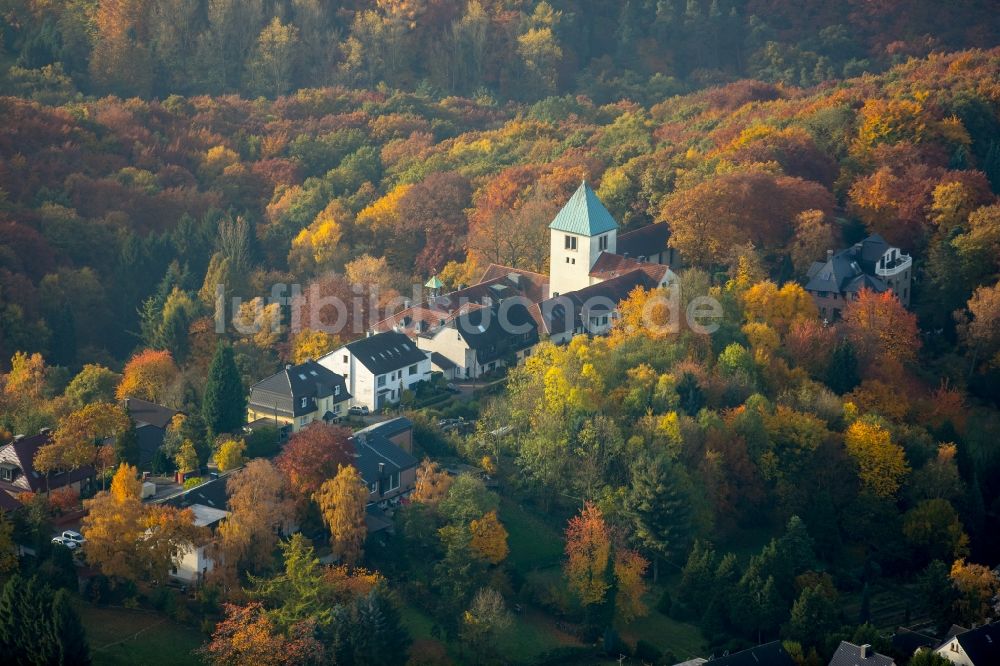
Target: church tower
x,y
579,233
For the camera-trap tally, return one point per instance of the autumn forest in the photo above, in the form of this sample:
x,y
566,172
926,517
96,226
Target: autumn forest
x,y
797,476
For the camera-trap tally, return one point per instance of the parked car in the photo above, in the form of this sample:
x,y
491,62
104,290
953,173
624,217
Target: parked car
x,y
358,410
452,388
74,536
63,541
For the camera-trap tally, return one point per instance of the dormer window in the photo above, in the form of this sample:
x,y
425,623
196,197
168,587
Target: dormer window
x,y
305,402
9,472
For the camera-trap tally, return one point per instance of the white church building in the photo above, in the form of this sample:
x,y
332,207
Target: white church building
x,y
592,268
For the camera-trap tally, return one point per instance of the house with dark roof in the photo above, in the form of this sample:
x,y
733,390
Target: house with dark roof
x,y
849,654
397,430
151,422
299,395
18,473
378,368
771,654
591,310
589,262
383,456
870,264
976,647
483,339
648,244
208,502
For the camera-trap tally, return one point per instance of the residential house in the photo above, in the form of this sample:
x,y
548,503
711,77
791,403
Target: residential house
x,y
594,309
976,647
482,339
151,421
208,502
870,264
772,654
378,368
299,395
383,456
18,473
397,430
590,263
906,641
849,654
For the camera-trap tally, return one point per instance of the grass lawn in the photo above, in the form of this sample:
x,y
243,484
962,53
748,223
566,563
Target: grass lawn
x,y
531,635
683,640
126,637
533,543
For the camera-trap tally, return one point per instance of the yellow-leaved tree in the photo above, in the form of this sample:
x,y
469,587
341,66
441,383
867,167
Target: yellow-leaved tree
x,y
230,454
317,247
126,539
489,538
882,465
187,458
342,501
310,344
432,483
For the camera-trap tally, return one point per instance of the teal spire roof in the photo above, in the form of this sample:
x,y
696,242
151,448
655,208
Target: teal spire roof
x,y
434,283
584,214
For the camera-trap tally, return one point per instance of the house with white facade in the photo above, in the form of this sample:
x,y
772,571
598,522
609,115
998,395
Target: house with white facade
x,y
378,368
208,502
593,266
975,647
483,339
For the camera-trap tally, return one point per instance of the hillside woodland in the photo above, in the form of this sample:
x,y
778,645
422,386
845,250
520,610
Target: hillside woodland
x,y
361,146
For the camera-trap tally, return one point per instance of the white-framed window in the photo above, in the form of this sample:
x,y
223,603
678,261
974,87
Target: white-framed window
x,y
570,242
336,390
7,473
381,380
393,481
305,402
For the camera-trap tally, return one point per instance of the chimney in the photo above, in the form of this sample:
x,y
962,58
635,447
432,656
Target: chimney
x,y
829,256
44,431
18,438
406,303
381,467
865,649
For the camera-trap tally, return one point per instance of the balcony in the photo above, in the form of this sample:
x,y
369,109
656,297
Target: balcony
x,y
895,267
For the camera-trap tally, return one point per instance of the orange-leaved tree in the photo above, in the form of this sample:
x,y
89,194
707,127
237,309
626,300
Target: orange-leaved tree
x,y
489,538
148,375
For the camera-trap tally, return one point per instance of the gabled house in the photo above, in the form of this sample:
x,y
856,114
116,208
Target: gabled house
x,y
871,264
483,339
849,654
383,456
151,422
18,473
594,309
976,647
592,267
379,368
772,654
299,395
208,502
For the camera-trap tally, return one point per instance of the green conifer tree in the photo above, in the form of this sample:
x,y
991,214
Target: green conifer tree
x,y
224,405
